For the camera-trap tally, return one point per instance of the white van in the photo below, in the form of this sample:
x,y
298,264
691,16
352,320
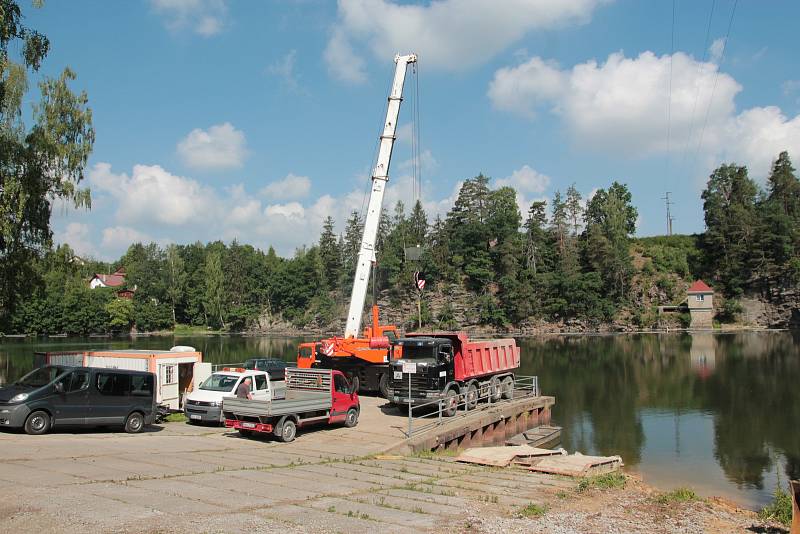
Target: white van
x,y
204,404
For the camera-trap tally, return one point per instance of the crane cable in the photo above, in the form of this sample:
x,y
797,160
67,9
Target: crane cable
x,y
669,94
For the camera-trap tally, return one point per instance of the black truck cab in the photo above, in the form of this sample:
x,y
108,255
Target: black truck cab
x,y
433,357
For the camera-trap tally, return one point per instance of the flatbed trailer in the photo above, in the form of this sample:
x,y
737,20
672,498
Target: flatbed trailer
x,y
313,396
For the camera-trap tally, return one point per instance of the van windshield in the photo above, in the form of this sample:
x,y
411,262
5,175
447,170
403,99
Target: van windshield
x,y
219,383
41,377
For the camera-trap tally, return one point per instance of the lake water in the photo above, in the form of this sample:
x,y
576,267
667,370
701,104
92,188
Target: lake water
x,y
716,412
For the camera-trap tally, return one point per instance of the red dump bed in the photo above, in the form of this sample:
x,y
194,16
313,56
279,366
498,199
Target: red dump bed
x,y
484,357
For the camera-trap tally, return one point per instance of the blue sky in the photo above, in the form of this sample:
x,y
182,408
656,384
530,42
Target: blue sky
x,y
255,120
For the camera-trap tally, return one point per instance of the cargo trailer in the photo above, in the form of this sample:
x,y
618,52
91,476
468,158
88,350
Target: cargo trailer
x,y
178,370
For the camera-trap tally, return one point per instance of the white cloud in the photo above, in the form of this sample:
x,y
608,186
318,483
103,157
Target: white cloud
x,y
716,50
291,187
525,179
451,35
620,106
78,237
220,147
284,68
121,237
204,17
153,194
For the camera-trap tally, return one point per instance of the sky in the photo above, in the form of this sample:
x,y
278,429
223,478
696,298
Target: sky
x,y
254,121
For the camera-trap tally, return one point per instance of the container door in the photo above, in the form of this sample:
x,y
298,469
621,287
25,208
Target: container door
x,y
201,371
168,385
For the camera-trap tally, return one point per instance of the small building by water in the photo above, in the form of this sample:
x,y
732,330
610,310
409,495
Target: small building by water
x,y
701,305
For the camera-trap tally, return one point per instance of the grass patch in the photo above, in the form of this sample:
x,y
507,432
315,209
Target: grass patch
x,y
175,418
677,495
604,482
188,329
780,509
532,510
445,453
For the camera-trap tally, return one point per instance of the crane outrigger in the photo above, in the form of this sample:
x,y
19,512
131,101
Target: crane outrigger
x,y
365,359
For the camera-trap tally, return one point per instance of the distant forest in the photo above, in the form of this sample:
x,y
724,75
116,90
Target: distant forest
x,y
571,260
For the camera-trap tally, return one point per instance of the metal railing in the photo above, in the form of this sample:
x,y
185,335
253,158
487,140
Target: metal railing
x,y
432,413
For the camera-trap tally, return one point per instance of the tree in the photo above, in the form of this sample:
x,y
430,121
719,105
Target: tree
x,y
780,223
729,202
176,271
40,164
120,313
214,287
330,254
610,222
535,235
574,209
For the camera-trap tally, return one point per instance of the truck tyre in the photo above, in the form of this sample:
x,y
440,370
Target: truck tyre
x,y
288,431
450,403
471,397
37,423
351,419
134,423
383,385
403,408
507,387
495,389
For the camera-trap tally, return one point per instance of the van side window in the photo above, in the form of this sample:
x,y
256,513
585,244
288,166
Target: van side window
x,y
113,384
142,385
80,381
261,382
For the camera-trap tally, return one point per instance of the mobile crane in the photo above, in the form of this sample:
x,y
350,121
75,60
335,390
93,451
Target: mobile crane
x,y
365,359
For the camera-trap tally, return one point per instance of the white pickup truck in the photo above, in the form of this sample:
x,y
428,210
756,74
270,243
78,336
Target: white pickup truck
x,y
204,404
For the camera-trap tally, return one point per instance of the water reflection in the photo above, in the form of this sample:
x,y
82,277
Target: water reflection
x,y
718,412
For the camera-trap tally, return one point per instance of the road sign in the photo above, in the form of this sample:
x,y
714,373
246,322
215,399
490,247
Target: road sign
x,y
410,367
420,284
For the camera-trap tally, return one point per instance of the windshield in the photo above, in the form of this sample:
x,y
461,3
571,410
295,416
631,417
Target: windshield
x,y
41,377
219,383
410,352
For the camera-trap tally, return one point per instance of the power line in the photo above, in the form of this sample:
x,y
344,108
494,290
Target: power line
x,y
697,82
716,77
668,203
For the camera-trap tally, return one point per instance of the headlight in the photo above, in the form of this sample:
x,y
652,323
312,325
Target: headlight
x,y
19,397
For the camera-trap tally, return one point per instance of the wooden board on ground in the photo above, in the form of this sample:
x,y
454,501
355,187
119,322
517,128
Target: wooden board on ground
x,y
537,437
503,456
576,465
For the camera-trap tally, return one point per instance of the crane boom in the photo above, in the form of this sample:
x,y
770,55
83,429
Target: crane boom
x,y
380,175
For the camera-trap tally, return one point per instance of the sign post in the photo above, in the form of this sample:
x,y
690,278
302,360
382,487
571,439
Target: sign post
x,y
409,368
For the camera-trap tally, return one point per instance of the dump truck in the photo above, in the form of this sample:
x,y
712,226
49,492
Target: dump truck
x,y
313,396
450,366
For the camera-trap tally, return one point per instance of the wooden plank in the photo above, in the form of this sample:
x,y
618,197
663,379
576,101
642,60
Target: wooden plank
x,y
577,465
503,456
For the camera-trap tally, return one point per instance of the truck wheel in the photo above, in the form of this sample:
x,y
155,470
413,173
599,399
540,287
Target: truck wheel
x,y
450,403
383,385
403,408
289,431
351,419
37,423
134,423
507,388
472,397
495,389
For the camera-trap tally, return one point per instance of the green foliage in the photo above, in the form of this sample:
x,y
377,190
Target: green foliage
x,y
615,480
780,509
120,313
677,496
731,309
532,510
40,164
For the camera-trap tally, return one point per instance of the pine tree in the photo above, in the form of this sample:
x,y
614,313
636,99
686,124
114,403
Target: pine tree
x,y
330,253
214,287
574,209
177,278
535,235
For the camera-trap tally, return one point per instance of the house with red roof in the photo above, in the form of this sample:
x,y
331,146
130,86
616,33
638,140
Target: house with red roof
x,y
114,280
700,301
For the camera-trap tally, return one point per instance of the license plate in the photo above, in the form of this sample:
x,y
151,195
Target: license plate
x,y
194,416
249,425
398,375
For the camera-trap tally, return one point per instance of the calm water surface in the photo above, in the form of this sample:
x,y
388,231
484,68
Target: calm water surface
x,y
717,412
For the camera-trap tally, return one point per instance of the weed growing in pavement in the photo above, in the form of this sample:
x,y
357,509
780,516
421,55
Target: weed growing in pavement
x,y
562,494
780,509
608,481
532,510
332,509
677,495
